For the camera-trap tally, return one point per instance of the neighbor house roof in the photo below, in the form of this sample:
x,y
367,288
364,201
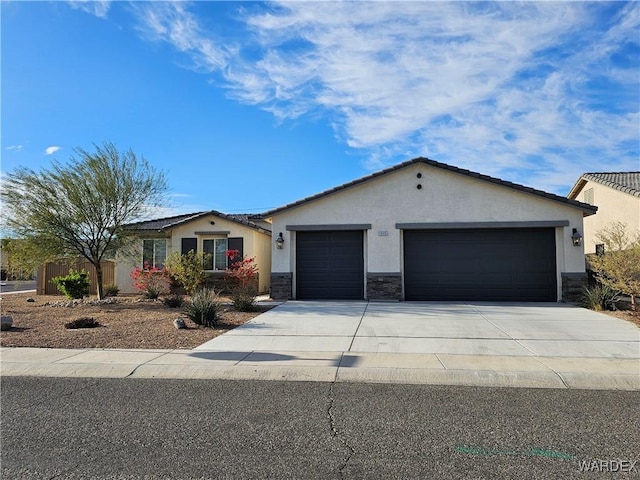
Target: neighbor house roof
x,y
585,207
167,223
627,182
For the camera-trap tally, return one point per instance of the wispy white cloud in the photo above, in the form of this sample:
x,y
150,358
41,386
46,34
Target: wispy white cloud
x,y
173,23
99,8
51,150
535,92
14,148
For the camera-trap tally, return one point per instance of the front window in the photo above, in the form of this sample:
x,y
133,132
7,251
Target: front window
x,y
154,252
215,251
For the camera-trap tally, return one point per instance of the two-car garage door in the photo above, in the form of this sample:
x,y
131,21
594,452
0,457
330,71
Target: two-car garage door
x,y
493,264
516,264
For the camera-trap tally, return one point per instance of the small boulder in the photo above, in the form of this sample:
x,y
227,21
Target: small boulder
x,y
31,300
6,322
179,324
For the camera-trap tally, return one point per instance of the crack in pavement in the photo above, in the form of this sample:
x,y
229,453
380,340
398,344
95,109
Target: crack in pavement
x,y
335,433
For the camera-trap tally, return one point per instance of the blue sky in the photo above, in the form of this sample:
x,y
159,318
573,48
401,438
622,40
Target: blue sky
x,y
248,106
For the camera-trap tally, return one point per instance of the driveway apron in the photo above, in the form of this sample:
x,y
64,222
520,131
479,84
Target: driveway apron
x,y
454,328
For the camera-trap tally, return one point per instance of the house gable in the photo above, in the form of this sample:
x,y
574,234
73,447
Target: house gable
x,y
617,196
626,182
425,162
168,223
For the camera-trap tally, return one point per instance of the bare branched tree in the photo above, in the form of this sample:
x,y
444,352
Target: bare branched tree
x,y
79,208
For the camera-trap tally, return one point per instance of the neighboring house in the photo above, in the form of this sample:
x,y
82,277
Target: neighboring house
x,y
11,268
210,232
617,196
423,230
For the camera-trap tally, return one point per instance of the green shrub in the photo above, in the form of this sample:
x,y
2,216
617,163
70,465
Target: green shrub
x,y
110,290
600,297
175,300
187,269
74,285
243,298
203,308
84,322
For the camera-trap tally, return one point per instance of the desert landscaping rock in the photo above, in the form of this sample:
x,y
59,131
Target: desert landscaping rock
x,y
179,324
6,322
127,323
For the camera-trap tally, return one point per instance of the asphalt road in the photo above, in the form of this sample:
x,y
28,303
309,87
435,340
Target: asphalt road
x,y
193,429
17,286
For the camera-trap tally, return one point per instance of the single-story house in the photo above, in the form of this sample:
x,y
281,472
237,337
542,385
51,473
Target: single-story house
x,y
617,196
210,232
424,230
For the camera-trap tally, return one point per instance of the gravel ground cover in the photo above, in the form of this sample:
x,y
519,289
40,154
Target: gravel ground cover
x,y
126,322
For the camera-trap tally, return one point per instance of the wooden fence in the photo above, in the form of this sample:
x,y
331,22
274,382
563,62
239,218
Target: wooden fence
x,y
61,267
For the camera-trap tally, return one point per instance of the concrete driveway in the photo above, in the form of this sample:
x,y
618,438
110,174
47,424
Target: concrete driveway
x,y
477,328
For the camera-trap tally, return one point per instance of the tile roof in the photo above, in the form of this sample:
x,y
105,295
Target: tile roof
x,y
585,207
628,182
167,223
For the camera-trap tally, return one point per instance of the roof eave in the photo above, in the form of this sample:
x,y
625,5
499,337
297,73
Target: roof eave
x,y
196,216
577,187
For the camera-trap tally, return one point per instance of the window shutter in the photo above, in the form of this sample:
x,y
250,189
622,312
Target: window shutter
x,y
236,244
189,244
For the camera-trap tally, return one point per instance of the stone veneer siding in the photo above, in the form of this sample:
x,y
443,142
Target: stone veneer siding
x,y
572,285
281,286
218,282
384,286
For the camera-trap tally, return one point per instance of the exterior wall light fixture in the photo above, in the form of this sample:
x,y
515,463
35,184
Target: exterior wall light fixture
x,y
576,238
280,241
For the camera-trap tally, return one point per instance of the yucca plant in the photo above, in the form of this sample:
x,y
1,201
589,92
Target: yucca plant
x,y
601,297
203,308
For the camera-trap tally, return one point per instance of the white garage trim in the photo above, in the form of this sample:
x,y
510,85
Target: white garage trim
x,y
342,226
466,225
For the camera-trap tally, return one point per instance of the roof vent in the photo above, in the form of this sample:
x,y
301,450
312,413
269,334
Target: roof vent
x,y
588,196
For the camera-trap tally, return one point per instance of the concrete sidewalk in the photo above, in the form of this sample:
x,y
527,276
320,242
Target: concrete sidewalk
x,y
437,369
482,344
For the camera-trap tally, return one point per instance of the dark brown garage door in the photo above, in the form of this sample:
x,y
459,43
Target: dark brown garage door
x,y
329,265
480,264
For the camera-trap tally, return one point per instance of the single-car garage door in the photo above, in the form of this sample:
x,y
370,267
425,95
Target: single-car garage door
x,y
480,264
329,265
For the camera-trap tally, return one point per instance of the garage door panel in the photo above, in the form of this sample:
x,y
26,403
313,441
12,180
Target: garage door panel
x,y
329,265
491,264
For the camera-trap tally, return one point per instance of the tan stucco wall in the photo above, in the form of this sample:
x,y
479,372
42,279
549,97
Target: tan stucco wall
x,y
445,197
613,205
255,244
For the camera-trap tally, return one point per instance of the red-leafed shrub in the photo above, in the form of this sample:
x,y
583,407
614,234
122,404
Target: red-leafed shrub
x,y
242,280
151,282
